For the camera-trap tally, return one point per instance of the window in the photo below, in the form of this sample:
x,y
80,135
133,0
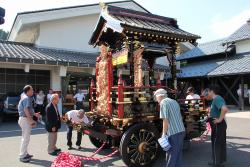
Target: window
x,y
13,80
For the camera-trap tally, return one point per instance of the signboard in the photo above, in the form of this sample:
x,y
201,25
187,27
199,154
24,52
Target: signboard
x,y
120,57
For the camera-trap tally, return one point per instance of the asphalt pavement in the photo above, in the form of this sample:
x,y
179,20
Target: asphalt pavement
x,y
238,144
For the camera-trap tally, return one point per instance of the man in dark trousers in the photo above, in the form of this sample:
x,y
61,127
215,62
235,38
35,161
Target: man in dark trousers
x,y
218,125
53,124
172,126
75,117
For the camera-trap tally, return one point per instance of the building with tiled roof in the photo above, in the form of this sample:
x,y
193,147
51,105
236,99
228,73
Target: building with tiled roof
x,y
54,43
225,62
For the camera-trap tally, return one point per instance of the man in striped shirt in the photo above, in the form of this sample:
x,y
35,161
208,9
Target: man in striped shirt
x,y
173,127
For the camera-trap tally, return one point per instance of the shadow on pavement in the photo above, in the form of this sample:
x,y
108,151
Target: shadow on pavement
x,y
12,129
38,162
103,163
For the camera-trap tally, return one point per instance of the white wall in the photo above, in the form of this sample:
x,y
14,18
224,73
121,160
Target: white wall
x,y
55,79
70,34
243,46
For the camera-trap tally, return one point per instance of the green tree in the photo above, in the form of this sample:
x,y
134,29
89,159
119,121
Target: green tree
x,y
3,34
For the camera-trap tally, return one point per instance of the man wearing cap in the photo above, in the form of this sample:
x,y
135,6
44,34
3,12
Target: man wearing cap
x,y
218,125
172,126
75,117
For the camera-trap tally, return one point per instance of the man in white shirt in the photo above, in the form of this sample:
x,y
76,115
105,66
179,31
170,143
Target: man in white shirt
x,y
49,95
239,95
79,97
75,117
248,94
191,95
40,103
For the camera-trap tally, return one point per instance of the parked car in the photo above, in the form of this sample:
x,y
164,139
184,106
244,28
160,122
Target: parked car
x,y
8,106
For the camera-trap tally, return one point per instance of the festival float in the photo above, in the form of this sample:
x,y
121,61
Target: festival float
x,y
123,111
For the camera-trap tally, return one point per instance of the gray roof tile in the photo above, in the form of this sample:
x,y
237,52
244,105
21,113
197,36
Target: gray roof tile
x,y
238,64
200,69
204,49
28,53
242,33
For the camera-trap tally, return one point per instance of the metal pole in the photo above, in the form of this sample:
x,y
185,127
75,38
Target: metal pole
x,y
242,93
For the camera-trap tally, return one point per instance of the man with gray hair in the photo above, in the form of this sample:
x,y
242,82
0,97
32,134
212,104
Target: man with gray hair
x,y
53,124
75,117
26,121
172,126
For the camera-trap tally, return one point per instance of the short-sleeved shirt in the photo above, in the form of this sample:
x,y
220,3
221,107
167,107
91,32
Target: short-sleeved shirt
x,y
40,99
25,102
79,97
170,110
190,97
73,116
217,103
48,97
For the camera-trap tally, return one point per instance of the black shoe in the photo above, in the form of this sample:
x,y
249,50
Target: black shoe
x,y
54,153
79,147
29,155
70,148
58,150
25,159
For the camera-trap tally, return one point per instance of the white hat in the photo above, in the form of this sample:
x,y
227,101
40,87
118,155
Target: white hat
x,y
160,92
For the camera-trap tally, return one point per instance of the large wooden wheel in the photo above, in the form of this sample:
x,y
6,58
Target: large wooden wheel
x,y
139,146
98,142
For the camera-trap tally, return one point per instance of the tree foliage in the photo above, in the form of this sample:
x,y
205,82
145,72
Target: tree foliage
x,y
3,34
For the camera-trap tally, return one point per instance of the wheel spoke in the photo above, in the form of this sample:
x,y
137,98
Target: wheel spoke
x,y
144,134
134,139
143,159
147,158
140,135
132,146
148,135
137,157
152,137
133,156
130,151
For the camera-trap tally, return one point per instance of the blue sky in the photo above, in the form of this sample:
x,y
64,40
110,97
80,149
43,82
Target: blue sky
x,y
211,19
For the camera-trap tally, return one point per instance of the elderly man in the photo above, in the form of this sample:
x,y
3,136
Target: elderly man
x,y
173,127
26,122
75,117
218,125
53,124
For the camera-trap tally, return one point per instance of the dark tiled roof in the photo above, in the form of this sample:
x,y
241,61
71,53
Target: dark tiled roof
x,y
236,65
242,33
148,21
27,53
200,69
136,20
205,49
